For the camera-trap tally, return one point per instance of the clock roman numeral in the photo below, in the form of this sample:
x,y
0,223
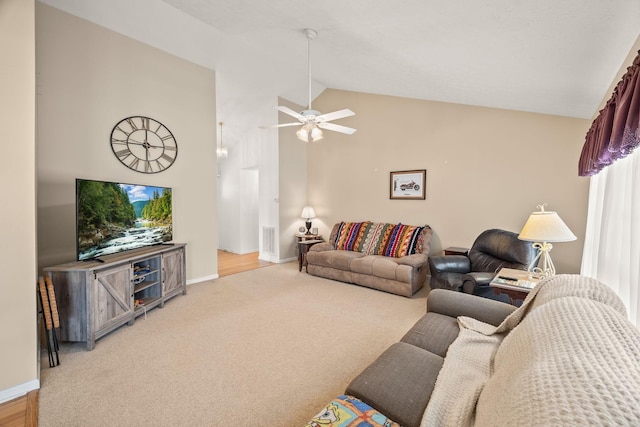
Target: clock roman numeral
x,y
160,166
145,122
134,163
147,167
132,123
166,157
122,130
123,154
164,138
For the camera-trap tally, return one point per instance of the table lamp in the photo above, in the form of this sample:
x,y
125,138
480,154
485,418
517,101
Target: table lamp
x,y
308,214
543,228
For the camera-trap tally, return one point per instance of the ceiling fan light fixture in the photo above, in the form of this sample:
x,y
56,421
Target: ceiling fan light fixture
x,y
303,134
316,134
312,120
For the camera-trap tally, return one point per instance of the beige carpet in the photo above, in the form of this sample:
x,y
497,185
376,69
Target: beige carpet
x,y
265,347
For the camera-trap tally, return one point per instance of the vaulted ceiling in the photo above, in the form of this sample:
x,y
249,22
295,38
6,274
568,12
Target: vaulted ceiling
x,y
547,56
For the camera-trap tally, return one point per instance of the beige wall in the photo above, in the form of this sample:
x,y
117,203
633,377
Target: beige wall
x,y
19,367
292,183
89,78
486,168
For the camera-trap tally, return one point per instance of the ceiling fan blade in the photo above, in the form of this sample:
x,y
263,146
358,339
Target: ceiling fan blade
x,y
290,112
336,128
280,125
286,124
335,115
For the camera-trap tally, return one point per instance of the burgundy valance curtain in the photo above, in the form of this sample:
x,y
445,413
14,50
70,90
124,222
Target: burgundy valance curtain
x,y
615,133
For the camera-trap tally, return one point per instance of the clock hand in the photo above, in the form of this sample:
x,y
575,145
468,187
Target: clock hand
x,y
155,146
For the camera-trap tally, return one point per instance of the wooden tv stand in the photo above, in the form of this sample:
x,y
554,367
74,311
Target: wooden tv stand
x,y
94,297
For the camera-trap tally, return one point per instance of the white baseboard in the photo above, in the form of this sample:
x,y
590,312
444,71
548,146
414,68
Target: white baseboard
x,y
18,391
202,279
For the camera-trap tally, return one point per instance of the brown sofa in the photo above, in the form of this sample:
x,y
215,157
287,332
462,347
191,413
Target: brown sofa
x,y
568,356
382,256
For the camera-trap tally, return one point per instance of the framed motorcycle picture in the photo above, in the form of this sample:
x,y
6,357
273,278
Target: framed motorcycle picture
x,y
408,184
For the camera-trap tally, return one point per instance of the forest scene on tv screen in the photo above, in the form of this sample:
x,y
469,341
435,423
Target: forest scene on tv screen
x,y
114,217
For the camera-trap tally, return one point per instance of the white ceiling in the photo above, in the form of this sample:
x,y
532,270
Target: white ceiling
x,y
548,56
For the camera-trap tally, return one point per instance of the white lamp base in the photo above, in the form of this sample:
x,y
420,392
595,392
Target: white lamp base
x,y
547,269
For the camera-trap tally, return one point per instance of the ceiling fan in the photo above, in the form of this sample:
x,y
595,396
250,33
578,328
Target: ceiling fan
x,y
313,121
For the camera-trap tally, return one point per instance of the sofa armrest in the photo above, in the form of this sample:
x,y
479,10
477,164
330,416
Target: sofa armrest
x,y
414,260
450,264
454,304
320,247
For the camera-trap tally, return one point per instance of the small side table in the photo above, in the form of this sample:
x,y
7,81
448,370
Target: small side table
x,y
302,236
303,248
514,296
453,250
516,284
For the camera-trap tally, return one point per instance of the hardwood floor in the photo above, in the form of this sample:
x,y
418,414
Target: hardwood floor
x,y
20,412
230,263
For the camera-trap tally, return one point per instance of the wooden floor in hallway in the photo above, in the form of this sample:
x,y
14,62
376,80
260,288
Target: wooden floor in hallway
x,y
230,263
20,412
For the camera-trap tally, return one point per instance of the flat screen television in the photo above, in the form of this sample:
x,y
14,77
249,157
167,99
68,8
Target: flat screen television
x,y
113,217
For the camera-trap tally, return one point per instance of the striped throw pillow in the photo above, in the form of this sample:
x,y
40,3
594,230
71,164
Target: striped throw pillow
x,y
376,238
405,240
350,235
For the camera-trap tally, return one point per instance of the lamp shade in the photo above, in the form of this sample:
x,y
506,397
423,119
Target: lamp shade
x,y
546,226
308,213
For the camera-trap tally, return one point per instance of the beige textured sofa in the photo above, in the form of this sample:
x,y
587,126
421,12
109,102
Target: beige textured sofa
x,y
387,257
568,356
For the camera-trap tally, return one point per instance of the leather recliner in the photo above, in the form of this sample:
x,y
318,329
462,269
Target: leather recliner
x,y
471,273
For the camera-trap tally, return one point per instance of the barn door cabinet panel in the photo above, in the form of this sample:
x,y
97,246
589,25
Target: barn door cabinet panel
x,y
94,297
173,273
111,299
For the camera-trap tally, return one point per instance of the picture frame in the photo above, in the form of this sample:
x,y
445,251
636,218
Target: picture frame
x,y
408,185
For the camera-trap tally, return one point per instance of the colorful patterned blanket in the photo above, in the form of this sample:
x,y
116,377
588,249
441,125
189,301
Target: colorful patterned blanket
x,y
347,411
371,238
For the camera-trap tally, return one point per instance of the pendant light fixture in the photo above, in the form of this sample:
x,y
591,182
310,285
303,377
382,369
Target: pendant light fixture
x,y
221,151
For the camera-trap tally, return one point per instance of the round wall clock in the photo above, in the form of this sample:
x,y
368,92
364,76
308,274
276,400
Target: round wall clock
x,y
144,144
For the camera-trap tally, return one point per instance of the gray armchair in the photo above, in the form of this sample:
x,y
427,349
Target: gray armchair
x,y
492,250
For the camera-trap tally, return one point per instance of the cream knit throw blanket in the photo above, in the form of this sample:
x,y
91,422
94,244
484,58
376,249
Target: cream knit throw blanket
x,y
567,356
